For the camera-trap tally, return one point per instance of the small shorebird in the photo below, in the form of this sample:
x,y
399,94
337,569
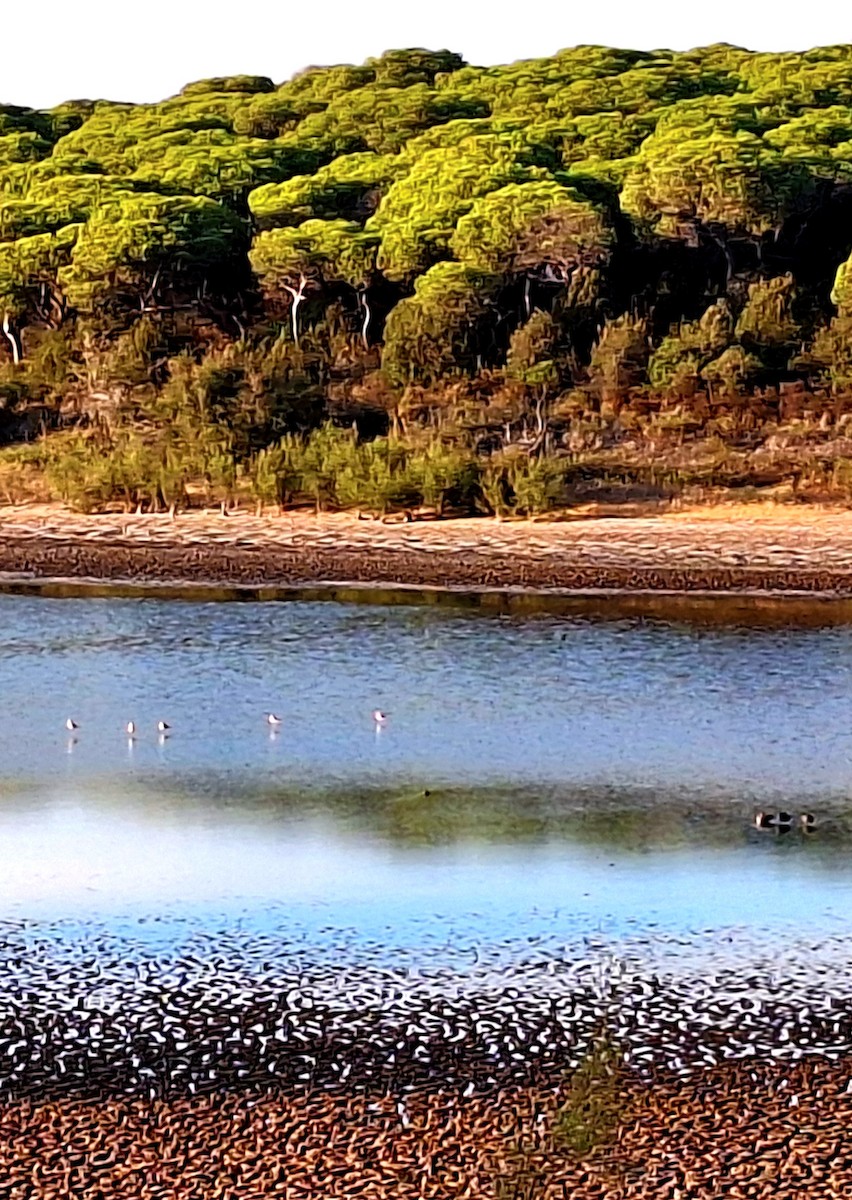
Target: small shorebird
x,y
781,820
806,820
163,727
71,725
273,721
379,717
130,729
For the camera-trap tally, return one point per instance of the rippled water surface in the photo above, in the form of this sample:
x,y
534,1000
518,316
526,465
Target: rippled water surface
x,y
536,773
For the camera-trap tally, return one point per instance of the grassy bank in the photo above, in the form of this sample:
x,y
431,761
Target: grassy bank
x,y
617,459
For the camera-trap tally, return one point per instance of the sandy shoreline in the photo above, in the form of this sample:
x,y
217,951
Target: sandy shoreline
x,y
734,550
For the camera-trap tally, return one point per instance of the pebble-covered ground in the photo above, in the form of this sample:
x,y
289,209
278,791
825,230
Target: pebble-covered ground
x,y
235,1064
758,1131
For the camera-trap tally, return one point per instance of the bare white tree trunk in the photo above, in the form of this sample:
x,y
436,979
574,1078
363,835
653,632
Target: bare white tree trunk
x,y
12,338
540,438
298,295
149,295
527,296
367,317
297,300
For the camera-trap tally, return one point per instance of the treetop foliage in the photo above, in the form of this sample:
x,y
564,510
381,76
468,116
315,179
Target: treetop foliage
x,y
599,219
408,141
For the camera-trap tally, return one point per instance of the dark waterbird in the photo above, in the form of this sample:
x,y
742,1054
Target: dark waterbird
x,y
781,820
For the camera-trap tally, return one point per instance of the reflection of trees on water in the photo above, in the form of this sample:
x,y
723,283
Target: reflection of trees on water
x,y
638,819
717,610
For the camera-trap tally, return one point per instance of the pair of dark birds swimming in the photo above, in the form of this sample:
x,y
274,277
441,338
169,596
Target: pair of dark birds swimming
x,y
784,820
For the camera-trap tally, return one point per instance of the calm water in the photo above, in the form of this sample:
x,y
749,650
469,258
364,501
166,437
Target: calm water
x,y
581,775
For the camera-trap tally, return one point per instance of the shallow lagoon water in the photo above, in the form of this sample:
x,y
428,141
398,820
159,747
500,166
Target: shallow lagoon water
x,y
583,775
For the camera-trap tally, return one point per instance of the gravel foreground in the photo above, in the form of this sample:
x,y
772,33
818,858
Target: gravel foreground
x,y
238,1064
758,1131
739,549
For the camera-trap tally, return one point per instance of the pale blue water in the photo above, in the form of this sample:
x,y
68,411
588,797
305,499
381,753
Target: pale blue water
x,y
583,775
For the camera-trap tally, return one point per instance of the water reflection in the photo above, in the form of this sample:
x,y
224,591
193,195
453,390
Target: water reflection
x,y
751,610
606,769
607,857
540,700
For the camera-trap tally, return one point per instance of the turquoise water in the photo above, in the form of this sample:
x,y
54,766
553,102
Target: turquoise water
x,y
537,775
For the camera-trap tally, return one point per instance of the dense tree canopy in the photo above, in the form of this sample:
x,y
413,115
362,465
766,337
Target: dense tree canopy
x,y
666,223
129,245
542,228
440,330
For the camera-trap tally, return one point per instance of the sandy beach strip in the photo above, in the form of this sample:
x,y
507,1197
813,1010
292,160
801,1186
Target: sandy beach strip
x,y
732,549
